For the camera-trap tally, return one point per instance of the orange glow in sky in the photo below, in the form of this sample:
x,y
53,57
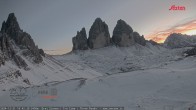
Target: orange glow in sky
x,y
190,32
188,28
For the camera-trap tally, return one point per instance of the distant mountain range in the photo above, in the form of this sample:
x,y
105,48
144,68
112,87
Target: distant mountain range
x,y
177,40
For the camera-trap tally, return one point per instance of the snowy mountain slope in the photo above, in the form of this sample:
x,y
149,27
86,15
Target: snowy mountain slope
x,y
111,60
47,71
169,87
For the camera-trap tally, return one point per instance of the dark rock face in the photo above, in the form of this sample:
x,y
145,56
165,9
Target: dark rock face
x,y
139,39
8,52
123,34
98,35
11,26
13,37
37,56
41,52
80,40
19,61
2,61
191,52
153,42
6,47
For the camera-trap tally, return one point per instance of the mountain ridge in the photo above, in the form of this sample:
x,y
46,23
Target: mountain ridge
x,y
178,40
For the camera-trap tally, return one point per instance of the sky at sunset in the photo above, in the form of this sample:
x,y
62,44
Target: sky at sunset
x,y
53,23
159,36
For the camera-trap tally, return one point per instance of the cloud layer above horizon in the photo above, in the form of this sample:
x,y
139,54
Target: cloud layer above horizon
x,y
188,28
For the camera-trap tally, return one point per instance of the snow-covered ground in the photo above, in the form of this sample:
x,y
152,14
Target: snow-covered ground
x,y
112,60
47,71
137,78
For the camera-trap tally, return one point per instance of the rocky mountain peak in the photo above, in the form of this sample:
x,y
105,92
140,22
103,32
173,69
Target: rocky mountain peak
x,y
98,35
139,39
153,42
80,40
13,40
122,27
11,25
122,34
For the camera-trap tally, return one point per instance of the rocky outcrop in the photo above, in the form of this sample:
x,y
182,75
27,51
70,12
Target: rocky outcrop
x,y
36,55
177,40
190,52
2,60
139,39
41,52
8,52
80,40
153,42
98,35
19,61
123,34
7,47
2,56
11,26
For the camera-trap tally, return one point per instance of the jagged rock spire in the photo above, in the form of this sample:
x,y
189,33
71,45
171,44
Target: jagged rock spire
x,y
80,40
11,25
122,34
139,39
98,35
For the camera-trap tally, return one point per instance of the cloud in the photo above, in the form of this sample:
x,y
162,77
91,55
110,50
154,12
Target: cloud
x,y
185,28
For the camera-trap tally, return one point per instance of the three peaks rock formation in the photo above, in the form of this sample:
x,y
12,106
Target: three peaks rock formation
x,y
15,44
99,36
